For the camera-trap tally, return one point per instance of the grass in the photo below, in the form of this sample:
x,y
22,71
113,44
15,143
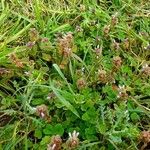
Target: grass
x,y
74,74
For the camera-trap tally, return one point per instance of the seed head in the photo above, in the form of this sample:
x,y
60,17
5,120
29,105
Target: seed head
x,y
146,70
122,92
98,50
51,147
65,45
147,47
81,83
30,44
82,8
115,45
114,20
34,35
4,71
79,29
16,61
117,61
44,40
73,140
42,111
50,96
55,143
102,75
145,136
106,30
126,44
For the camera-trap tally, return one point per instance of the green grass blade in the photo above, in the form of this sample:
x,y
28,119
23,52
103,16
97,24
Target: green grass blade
x,y
62,76
64,101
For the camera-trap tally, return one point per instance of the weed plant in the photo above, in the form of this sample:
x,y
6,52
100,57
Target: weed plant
x,y
74,74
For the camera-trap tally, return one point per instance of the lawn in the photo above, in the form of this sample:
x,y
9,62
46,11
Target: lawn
x,y
75,75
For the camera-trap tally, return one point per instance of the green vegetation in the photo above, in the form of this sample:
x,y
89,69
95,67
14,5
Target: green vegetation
x,y
74,74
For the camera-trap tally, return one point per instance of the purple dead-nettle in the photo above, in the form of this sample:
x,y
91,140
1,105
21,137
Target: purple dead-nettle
x,y
117,61
145,138
73,140
30,44
114,19
15,60
82,8
146,69
33,34
122,92
4,71
42,111
115,45
97,39
82,70
126,44
106,30
27,73
55,144
65,45
44,40
51,96
81,83
98,50
51,147
102,75
147,47
67,52
69,36
79,29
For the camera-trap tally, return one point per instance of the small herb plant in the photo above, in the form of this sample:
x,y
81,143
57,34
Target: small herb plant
x,y
74,75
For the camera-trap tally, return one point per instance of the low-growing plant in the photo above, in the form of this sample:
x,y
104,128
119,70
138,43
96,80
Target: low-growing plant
x,y
74,75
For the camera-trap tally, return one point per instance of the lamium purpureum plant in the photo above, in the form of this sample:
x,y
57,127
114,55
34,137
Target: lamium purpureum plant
x,y
70,67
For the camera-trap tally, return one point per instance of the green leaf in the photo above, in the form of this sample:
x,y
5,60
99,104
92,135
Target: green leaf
x,y
46,47
53,130
116,139
102,128
45,140
64,101
88,104
133,132
135,117
90,130
60,28
91,137
58,129
46,57
63,77
121,34
48,130
37,101
90,115
116,2
38,133
17,35
126,69
85,116
103,148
